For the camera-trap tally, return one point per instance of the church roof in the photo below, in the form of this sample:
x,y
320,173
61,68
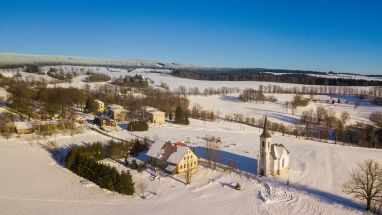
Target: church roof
x,y
277,150
265,130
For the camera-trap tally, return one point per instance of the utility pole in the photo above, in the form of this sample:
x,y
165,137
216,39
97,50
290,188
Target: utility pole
x,y
204,128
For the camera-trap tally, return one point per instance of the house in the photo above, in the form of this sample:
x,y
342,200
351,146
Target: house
x,y
174,158
272,159
105,122
24,128
117,112
101,105
155,116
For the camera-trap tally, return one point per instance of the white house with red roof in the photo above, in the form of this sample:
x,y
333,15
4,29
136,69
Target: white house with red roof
x,y
174,158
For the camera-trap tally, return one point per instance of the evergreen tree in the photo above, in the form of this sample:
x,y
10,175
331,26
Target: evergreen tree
x,y
134,164
181,117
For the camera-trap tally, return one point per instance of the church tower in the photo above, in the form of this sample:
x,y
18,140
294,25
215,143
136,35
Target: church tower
x,y
264,154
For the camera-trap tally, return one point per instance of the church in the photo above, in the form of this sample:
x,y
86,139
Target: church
x,y
272,159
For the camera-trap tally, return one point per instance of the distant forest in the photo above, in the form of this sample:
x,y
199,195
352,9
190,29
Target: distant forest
x,y
284,76
236,74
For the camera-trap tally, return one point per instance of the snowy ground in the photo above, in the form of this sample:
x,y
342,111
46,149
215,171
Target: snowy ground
x,y
31,182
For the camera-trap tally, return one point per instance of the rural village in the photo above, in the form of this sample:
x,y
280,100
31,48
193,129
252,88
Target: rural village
x,y
146,134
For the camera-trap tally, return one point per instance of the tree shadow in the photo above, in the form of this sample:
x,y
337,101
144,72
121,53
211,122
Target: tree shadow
x,y
229,98
243,163
328,198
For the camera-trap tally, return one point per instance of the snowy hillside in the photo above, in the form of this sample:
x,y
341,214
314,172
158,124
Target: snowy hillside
x,y
17,59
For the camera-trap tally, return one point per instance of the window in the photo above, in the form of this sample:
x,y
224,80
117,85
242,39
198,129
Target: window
x,y
191,156
184,158
263,144
283,163
194,162
180,166
185,166
269,144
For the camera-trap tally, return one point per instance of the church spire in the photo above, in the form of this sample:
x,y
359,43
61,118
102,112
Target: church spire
x,y
265,131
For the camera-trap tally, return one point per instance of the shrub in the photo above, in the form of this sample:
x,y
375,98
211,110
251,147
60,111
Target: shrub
x,y
142,167
134,164
238,187
138,126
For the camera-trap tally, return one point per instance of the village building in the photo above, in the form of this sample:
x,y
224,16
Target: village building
x,y
155,116
24,128
105,122
117,112
272,159
101,105
174,158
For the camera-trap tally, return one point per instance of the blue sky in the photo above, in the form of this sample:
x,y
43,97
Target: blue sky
x,y
308,35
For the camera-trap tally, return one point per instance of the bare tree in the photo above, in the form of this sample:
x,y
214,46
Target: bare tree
x,y
212,152
344,117
286,104
338,129
142,188
232,165
188,175
357,103
7,125
320,113
365,182
330,117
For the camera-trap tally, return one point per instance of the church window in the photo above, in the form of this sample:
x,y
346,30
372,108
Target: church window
x,y
262,145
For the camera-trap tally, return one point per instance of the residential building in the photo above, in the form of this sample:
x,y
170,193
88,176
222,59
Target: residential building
x,y
117,112
101,105
174,158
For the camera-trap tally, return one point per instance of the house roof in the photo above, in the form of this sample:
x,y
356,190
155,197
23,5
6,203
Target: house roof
x,y
177,156
277,150
114,107
23,125
170,168
181,143
167,151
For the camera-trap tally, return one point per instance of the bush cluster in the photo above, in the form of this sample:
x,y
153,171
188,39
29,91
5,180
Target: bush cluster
x,y
138,126
84,162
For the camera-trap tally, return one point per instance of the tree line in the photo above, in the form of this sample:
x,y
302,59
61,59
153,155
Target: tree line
x,y
294,78
84,161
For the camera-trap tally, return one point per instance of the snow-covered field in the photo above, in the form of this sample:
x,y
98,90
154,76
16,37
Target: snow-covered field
x,y
31,182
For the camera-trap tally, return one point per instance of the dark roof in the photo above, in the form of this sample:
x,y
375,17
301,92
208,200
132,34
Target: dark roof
x,y
265,131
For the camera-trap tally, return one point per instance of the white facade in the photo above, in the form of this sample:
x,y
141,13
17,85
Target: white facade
x,y
272,159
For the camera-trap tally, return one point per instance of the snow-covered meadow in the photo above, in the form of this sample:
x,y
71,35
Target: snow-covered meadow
x,y
31,182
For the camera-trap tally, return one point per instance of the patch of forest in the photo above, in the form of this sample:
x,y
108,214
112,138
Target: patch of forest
x,y
271,75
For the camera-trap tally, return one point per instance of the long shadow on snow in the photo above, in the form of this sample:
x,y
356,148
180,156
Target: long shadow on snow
x,y
325,196
243,163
